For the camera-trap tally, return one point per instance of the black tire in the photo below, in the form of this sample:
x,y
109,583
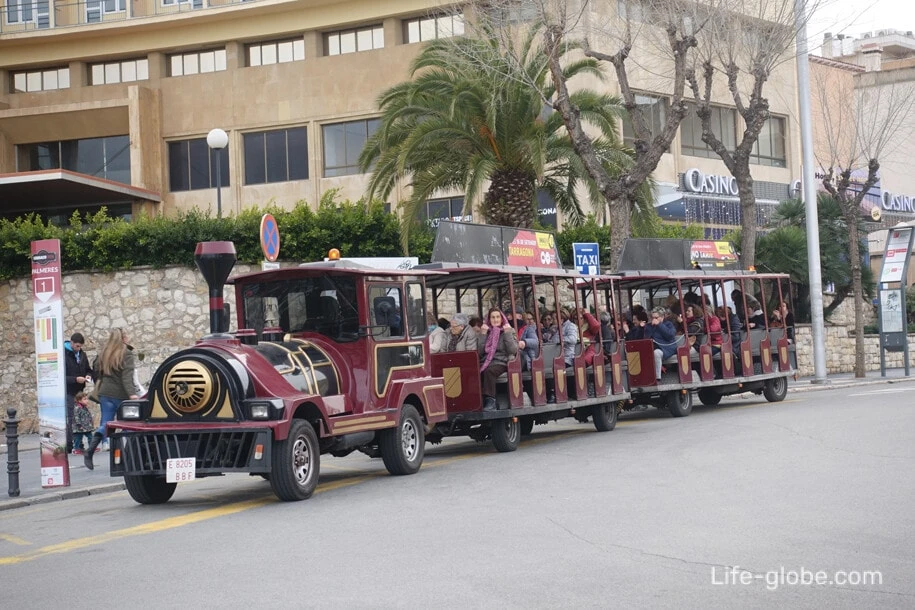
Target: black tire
x,y
776,389
296,463
680,404
506,434
605,416
708,397
149,488
403,447
527,425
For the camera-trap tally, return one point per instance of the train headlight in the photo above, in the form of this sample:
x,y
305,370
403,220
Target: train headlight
x,y
131,410
264,409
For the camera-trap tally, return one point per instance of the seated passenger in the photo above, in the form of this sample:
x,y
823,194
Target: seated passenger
x,y
476,322
782,318
463,336
636,330
500,344
569,332
591,333
607,331
528,341
662,331
711,325
438,336
549,332
753,316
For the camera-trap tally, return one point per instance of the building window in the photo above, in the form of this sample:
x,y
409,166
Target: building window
x,y
193,3
128,71
266,53
41,80
446,208
724,126
28,11
343,143
769,148
192,165
654,109
513,12
107,158
96,9
430,28
276,156
353,41
185,64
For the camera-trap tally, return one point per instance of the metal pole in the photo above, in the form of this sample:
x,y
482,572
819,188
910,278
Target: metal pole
x,y
12,456
218,183
810,197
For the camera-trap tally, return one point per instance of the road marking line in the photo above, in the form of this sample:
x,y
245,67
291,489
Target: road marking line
x,y
14,539
893,391
163,525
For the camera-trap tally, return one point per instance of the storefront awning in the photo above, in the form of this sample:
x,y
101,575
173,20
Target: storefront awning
x,y
59,188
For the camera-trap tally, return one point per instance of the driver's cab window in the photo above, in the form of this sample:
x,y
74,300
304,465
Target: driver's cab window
x,y
416,309
386,306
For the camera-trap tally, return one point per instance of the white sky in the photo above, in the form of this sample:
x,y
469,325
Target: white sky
x,y
853,17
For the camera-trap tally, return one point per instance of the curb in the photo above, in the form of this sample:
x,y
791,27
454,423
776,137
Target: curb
x,y
61,495
841,385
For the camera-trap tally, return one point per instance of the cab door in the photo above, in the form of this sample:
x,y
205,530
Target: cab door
x,y
395,354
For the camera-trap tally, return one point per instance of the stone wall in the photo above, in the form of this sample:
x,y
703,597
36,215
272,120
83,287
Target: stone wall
x,y
840,351
160,309
163,310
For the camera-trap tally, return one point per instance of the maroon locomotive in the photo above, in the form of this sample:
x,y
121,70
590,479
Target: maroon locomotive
x,y
329,358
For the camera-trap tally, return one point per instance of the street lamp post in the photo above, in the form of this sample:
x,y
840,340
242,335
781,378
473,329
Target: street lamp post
x,y
217,139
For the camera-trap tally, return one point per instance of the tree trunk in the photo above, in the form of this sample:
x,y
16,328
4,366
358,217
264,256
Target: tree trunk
x,y
854,255
747,215
509,201
620,229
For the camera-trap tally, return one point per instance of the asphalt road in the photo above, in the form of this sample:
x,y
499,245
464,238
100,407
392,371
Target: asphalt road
x,y
735,506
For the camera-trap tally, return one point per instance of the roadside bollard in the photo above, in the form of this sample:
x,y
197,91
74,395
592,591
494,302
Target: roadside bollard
x,y
12,455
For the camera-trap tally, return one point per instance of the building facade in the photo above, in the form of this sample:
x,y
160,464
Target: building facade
x,y
109,103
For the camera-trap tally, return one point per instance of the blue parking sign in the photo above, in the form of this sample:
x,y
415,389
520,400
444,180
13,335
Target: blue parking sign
x,y
587,258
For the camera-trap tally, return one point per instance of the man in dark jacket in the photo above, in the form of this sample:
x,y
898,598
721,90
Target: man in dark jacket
x,y
78,372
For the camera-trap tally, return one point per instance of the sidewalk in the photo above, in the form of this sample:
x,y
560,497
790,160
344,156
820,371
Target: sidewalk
x,y
84,482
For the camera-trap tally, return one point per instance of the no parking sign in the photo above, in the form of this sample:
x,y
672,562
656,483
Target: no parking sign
x,y
270,237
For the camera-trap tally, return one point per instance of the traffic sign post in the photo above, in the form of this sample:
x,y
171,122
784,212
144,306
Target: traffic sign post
x,y
270,237
587,258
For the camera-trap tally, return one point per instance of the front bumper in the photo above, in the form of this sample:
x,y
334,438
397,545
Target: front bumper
x,y
216,451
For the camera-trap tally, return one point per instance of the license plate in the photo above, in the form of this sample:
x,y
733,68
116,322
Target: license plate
x,y
178,470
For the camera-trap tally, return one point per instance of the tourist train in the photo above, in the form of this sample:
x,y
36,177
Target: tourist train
x,y
334,357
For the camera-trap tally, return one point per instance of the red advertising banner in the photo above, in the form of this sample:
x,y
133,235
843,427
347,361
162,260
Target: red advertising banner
x,y
50,371
714,254
532,249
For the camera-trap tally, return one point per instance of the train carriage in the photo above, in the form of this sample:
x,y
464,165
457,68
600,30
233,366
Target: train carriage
x,y
592,387
745,356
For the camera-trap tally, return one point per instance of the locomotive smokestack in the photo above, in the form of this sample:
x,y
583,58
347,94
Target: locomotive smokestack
x,y
215,260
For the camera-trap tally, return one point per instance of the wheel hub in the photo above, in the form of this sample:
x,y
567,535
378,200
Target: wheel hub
x,y
409,440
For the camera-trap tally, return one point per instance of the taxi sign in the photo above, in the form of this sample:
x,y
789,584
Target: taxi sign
x,y
270,237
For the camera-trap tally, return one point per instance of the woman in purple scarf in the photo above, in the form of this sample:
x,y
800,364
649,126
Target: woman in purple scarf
x,y
501,344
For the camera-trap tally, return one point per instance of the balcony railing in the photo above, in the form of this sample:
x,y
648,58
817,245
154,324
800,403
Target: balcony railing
x,y
30,15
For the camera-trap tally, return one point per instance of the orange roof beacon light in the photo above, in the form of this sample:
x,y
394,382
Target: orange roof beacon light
x,y
333,254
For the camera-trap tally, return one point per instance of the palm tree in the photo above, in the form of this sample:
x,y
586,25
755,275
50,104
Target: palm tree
x,y
475,111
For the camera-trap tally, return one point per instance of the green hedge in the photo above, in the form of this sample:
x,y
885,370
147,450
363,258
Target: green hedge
x,y
99,242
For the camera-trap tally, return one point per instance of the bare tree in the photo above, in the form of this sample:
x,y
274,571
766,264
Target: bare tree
x,y
647,44
743,44
859,117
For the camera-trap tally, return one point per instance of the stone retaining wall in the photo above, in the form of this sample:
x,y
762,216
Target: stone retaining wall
x,y
165,309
